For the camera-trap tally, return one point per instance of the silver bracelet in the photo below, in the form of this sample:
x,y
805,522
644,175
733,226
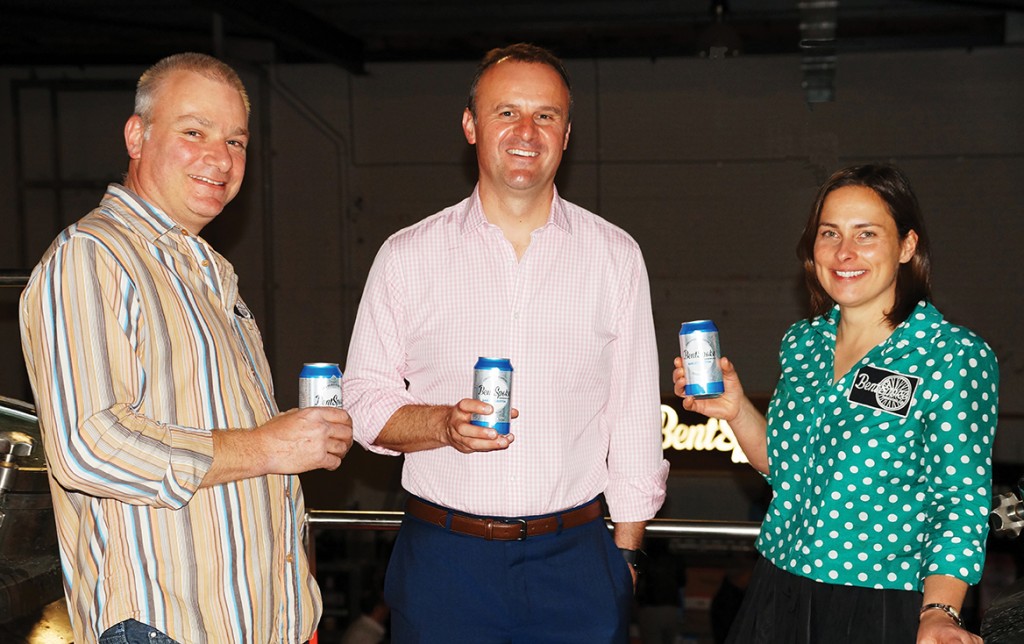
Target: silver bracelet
x,y
947,609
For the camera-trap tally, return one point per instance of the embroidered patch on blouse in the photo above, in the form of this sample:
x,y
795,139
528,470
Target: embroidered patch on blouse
x,y
885,390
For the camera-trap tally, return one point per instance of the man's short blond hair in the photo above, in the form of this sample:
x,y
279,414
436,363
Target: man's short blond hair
x,y
152,79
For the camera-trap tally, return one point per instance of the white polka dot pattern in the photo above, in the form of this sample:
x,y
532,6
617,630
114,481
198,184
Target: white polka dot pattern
x,y
865,497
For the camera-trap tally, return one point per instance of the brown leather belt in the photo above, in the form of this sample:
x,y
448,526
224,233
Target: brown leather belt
x,y
502,529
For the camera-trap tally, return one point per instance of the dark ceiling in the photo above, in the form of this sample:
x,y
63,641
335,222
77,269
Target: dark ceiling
x,y
352,33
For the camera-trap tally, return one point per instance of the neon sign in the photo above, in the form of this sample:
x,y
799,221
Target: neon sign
x,y
715,435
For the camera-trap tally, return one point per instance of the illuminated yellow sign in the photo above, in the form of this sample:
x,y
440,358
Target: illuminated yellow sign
x,y
715,435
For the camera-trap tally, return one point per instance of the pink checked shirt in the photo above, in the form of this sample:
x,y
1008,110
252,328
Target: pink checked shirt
x,y
573,316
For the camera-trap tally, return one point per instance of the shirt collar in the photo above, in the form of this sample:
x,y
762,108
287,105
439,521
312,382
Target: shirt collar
x,y
826,324
923,317
475,217
922,323
154,224
150,222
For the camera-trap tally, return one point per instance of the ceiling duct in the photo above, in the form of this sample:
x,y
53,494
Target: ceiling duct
x,y
818,47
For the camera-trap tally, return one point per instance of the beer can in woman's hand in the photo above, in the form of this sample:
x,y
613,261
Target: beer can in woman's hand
x,y
699,348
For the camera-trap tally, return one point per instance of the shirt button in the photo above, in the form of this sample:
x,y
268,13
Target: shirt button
x,y
205,263
290,558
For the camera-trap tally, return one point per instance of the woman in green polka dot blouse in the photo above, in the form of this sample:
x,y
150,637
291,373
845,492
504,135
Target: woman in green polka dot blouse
x,y
877,442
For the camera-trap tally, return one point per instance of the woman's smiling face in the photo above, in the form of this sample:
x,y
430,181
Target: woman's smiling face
x,y
858,250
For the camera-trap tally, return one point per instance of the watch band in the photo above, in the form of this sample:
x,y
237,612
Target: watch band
x,y
947,609
635,558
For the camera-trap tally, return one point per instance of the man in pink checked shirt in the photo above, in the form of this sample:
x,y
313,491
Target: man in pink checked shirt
x,y
504,538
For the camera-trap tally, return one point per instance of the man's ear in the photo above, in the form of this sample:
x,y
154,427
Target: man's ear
x,y
134,135
468,126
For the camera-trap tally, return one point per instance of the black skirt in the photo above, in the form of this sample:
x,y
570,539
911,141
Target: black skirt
x,y
783,608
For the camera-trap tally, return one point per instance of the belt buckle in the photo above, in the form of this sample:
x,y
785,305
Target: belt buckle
x,y
523,533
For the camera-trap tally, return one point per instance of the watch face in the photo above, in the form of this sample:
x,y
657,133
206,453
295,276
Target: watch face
x,y
641,561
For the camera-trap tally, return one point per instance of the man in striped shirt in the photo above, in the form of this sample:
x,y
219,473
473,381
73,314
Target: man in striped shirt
x,y
172,471
504,538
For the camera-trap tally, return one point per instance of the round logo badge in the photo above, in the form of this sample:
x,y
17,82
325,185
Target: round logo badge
x,y
893,393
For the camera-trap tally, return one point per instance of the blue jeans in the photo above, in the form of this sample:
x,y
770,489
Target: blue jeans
x,y
131,631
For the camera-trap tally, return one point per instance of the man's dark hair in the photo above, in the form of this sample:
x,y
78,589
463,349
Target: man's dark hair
x,y
523,53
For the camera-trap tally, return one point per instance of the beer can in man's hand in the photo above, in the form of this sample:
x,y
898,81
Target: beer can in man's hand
x,y
492,384
699,348
320,385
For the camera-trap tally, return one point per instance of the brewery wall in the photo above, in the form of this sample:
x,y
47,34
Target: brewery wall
x,y
710,164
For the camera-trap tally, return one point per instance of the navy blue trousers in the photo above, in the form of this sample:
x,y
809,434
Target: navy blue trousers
x,y
564,587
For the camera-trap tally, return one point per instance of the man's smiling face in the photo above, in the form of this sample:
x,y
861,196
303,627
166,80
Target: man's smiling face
x,y
521,126
189,159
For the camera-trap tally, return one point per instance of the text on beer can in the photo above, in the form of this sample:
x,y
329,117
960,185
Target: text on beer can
x,y
320,385
699,348
492,384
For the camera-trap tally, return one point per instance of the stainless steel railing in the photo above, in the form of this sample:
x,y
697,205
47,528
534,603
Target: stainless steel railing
x,y
14,278
665,528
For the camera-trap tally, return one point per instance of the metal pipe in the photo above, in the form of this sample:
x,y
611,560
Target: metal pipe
x,y
14,278
662,528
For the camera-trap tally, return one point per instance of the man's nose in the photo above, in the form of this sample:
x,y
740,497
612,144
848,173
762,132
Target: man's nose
x,y
526,128
219,156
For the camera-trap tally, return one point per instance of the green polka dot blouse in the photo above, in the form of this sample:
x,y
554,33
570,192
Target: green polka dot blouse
x,y
884,477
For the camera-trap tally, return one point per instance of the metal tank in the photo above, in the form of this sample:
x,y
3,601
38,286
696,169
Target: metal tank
x,y
30,576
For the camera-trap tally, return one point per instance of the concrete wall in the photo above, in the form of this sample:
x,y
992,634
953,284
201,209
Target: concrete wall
x,y
710,164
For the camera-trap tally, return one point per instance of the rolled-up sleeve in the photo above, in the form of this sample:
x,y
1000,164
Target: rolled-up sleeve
x,y
373,385
81,328
958,440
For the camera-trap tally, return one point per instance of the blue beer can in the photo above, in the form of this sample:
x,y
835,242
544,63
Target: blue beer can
x,y
699,348
492,384
320,385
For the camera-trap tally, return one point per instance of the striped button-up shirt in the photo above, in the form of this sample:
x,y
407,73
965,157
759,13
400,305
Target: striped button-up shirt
x,y
138,347
573,316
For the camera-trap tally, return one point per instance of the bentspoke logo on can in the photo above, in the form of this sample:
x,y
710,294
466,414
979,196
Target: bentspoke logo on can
x,y
320,385
492,384
699,348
